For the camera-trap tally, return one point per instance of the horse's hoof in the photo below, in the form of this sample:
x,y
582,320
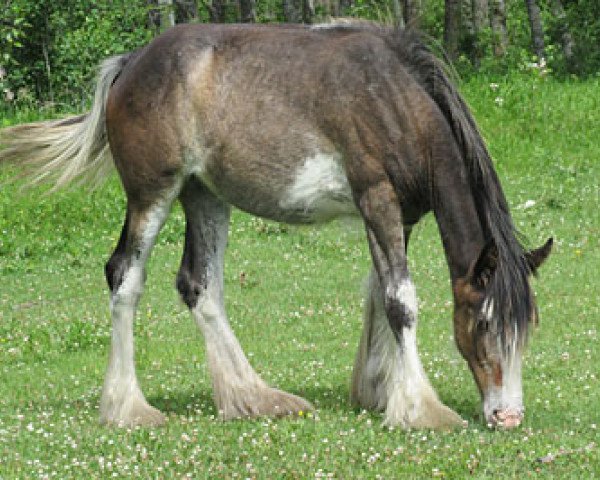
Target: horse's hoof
x,y
278,403
432,415
440,417
139,413
266,402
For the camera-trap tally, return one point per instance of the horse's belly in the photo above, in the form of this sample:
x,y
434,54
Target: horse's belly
x,y
312,190
319,190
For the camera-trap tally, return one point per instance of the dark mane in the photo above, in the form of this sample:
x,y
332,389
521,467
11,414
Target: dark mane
x,y
509,287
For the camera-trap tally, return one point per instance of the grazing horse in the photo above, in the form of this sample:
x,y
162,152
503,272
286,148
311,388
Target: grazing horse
x,y
301,125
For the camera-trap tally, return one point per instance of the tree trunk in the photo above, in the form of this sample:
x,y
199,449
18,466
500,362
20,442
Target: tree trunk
x,y
537,30
481,18
566,39
308,11
345,6
452,28
498,24
481,15
328,8
412,13
216,11
467,25
398,13
468,37
160,14
248,11
292,11
298,11
167,14
186,11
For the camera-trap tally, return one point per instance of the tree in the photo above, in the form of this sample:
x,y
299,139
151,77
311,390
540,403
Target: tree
x,y
186,11
298,11
216,11
247,11
498,24
566,38
537,30
345,6
481,18
452,28
412,12
161,14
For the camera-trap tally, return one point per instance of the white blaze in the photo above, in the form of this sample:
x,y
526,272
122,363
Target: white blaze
x,y
509,396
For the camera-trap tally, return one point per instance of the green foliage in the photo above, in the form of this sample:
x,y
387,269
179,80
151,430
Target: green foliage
x,y
584,20
378,10
50,48
104,28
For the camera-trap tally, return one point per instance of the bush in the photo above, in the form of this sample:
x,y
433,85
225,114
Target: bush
x,y
50,48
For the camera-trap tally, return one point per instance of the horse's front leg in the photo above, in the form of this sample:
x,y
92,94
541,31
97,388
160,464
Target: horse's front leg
x,y
388,374
238,390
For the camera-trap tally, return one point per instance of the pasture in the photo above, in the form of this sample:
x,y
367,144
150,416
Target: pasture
x,y
294,300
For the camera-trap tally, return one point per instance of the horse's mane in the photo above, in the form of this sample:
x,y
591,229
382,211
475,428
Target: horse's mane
x,y
509,287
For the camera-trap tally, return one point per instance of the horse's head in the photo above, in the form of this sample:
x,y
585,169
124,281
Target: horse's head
x,y
494,357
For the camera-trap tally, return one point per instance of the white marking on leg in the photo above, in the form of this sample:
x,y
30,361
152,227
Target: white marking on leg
x,y
389,376
406,294
122,400
320,190
235,382
406,396
238,389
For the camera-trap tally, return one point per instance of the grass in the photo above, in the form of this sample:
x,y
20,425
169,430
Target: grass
x,y
297,314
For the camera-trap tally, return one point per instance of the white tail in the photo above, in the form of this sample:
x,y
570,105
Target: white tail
x,y
62,151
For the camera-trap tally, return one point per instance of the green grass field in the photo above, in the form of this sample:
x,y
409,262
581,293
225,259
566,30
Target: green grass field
x,y
298,316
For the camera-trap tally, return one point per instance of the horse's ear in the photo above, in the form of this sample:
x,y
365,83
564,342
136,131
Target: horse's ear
x,y
537,256
484,267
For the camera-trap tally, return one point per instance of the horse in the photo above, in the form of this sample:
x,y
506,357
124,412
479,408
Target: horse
x,y
300,124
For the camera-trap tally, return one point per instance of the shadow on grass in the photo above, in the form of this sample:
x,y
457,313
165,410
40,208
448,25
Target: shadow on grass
x,y
192,402
332,399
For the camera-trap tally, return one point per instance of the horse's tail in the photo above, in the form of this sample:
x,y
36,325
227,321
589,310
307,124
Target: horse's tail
x,y
74,148
510,286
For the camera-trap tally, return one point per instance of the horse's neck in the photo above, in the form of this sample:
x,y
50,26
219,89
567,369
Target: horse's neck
x,y
457,218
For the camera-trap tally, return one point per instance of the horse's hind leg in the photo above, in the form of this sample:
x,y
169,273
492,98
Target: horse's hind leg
x,y
238,389
388,374
122,401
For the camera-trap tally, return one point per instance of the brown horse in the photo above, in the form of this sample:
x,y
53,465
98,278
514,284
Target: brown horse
x,y
300,125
